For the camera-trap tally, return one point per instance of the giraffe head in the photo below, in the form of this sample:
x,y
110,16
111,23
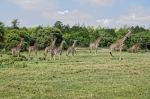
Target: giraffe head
x,y
22,39
75,41
63,41
55,38
35,44
21,43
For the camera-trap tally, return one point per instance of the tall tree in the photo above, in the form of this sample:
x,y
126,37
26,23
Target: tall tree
x,y
15,24
1,31
58,24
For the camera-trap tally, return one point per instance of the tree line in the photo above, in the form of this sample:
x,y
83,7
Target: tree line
x,y
10,35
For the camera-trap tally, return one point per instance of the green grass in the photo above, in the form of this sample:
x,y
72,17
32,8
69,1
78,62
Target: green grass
x,y
85,76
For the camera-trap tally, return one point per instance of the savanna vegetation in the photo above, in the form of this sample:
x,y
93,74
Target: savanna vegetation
x,y
84,76
10,36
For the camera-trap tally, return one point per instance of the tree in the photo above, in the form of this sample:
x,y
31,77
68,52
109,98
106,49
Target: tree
x,y
2,31
15,24
66,28
59,25
10,36
137,29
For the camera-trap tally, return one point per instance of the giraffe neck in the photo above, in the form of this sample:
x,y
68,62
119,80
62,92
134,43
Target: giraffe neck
x,y
97,41
124,38
74,44
127,35
61,45
53,43
35,45
20,44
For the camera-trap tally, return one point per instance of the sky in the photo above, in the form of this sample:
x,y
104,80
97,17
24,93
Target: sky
x,y
106,13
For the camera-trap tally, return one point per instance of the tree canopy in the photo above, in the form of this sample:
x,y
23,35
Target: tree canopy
x,y
10,36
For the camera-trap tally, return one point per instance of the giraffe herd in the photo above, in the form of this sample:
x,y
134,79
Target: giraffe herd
x,y
55,51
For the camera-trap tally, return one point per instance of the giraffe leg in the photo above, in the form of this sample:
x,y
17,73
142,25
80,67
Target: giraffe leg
x,y
54,57
15,53
68,52
29,53
18,53
90,50
110,52
51,58
12,52
73,53
132,51
46,53
120,58
96,51
59,57
111,55
35,52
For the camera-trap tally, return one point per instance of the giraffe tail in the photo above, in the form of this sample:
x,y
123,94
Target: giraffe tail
x,y
45,54
67,54
111,54
90,49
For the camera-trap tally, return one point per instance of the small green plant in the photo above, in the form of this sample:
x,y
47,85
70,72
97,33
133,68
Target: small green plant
x,y
8,62
20,65
20,58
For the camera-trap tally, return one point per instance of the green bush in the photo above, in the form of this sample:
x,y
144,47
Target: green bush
x,y
10,37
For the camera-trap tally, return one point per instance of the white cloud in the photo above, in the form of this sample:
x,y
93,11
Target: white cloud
x,y
72,17
27,4
50,11
99,2
63,12
105,22
34,4
136,16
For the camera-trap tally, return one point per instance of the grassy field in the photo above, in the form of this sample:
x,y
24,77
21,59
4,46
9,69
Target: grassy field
x,y
85,76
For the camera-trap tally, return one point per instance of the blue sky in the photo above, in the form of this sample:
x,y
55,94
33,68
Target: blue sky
x,y
107,13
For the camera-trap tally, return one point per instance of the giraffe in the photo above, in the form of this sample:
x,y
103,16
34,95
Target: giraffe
x,y
94,45
134,48
32,49
49,48
58,50
72,49
119,44
17,49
